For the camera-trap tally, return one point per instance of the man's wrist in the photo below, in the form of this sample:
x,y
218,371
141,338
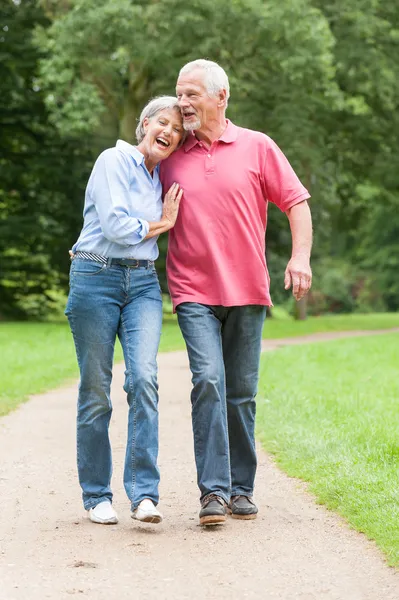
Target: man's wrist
x,y
301,254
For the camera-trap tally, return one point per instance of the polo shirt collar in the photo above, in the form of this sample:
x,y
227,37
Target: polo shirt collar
x,y
228,136
131,151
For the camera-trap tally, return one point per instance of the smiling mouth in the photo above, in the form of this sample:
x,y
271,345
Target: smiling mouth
x,y
162,142
188,115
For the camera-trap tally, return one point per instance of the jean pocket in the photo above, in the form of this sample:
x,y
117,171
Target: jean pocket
x,y
87,268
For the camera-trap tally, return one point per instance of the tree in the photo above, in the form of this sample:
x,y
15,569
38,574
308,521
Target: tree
x,y
365,139
39,199
112,55
106,58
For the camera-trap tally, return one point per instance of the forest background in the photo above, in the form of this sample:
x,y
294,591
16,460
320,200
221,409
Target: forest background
x,y
321,77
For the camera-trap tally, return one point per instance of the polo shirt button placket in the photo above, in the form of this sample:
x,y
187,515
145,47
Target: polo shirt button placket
x,y
209,163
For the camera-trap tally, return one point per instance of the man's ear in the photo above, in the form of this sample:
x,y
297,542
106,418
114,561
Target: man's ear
x,y
222,97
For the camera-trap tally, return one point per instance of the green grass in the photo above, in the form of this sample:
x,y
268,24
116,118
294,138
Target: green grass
x,y
287,327
39,356
329,413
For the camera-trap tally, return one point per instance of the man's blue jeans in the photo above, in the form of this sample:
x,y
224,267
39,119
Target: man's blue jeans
x,y
105,302
223,345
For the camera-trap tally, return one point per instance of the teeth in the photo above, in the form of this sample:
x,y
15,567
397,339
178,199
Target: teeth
x,y
163,142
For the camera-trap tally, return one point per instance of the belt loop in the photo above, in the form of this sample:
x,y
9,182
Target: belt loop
x,y
109,262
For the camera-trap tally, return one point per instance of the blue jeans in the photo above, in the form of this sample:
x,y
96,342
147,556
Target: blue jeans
x,y
223,345
105,302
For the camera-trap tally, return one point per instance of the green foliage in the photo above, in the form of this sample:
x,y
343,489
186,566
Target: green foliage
x,y
343,288
42,176
278,56
364,138
380,234
321,78
341,438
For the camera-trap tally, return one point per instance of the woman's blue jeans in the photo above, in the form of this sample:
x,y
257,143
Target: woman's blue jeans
x,y
224,345
105,302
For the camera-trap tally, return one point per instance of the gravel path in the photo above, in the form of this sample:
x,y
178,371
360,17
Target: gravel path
x,y
48,549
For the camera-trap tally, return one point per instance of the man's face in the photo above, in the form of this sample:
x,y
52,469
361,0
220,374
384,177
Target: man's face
x,y
197,107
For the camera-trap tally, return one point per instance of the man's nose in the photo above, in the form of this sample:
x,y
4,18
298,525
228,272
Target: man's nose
x,y
182,101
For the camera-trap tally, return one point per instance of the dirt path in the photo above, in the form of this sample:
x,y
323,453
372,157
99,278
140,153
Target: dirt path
x,y
294,550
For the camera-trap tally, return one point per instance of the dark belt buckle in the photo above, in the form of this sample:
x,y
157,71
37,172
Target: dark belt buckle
x,y
133,263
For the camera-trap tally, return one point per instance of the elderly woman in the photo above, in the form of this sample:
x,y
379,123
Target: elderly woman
x,y
114,291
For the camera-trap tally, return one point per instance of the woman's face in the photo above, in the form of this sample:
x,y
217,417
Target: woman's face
x,y
163,133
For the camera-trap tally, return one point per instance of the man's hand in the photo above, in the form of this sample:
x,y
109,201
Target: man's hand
x,y
298,274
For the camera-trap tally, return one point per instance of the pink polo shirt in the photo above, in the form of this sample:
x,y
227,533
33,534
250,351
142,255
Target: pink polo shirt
x,y
216,252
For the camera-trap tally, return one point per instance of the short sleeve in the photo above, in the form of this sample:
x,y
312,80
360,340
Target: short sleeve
x,y
281,183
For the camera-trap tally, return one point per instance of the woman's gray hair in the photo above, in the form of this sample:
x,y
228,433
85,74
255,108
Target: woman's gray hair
x,y
151,109
215,78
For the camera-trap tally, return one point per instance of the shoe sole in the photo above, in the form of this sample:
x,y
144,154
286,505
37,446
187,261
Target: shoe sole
x,y
213,520
249,517
107,522
149,519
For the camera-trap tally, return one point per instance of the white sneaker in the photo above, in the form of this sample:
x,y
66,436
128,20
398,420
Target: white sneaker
x,y
147,512
103,513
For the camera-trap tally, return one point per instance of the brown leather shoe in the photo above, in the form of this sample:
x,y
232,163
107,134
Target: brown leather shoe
x,y
242,507
213,510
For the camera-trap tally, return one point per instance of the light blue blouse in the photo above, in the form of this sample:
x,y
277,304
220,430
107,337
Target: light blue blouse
x,y
121,198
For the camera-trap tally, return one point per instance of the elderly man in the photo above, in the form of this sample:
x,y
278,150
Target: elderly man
x,y
218,278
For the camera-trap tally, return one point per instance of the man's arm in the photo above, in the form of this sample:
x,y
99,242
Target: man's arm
x,y
298,272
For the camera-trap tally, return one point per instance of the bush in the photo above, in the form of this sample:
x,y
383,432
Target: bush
x,y
339,287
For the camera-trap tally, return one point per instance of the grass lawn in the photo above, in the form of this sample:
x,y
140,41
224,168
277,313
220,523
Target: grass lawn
x,y
329,413
287,327
36,357
39,356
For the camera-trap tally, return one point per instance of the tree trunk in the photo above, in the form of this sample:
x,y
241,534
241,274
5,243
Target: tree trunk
x,y
136,98
128,122
301,309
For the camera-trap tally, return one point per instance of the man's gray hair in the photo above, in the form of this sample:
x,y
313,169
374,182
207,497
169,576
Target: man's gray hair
x,y
151,109
215,78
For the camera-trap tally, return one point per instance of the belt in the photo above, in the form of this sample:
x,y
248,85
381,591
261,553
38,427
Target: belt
x,y
132,263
